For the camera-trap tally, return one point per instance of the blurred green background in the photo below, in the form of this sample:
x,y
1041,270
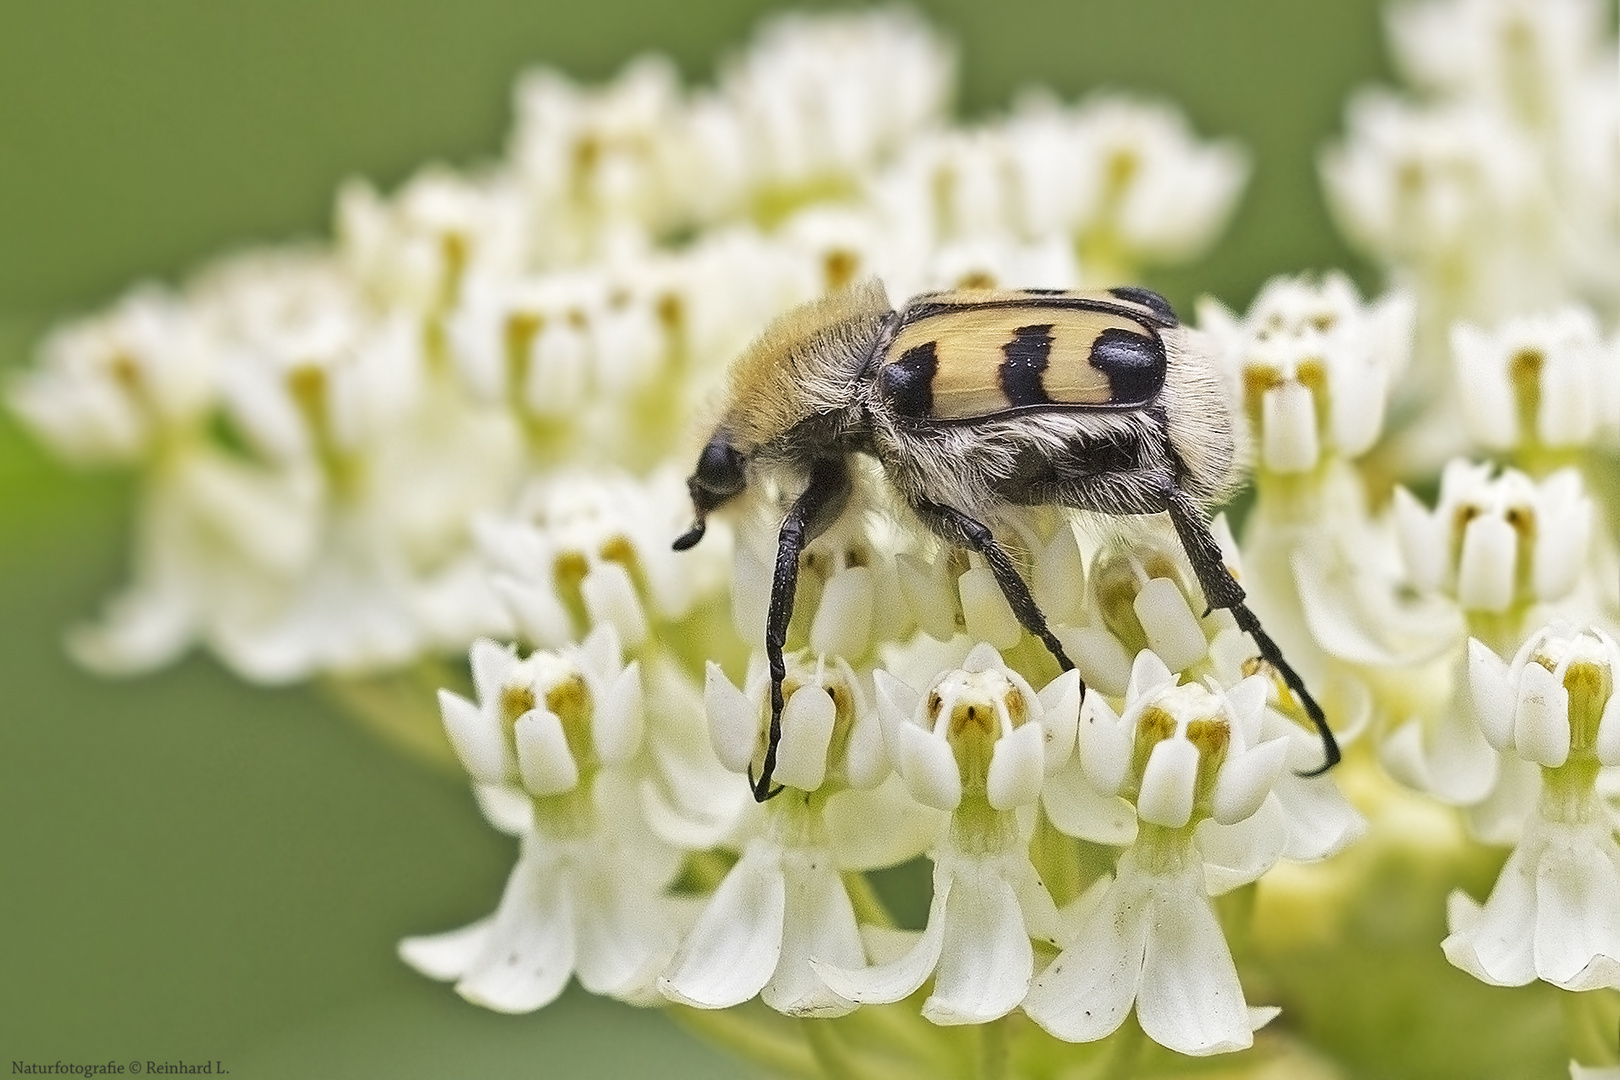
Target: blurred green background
x,y
197,869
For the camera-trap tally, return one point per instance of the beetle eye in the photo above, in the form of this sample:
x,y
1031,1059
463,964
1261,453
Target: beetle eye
x,y
720,469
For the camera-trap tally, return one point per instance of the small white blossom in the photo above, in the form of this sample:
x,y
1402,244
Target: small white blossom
x,y
1496,540
556,732
585,549
419,246
113,388
1316,365
1192,763
783,904
977,744
1551,914
1540,380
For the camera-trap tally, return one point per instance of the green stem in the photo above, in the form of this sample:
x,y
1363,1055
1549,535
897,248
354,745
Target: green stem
x,y
1592,1026
993,1050
868,908
1128,1043
835,1056
733,1030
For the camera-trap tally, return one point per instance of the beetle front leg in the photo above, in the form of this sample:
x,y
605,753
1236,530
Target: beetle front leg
x,y
821,501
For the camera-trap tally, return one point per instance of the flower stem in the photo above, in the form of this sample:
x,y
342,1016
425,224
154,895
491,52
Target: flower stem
x,y
993,1050
1592,1026
748,1034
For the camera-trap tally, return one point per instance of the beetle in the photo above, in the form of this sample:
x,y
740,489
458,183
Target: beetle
x,y
974,401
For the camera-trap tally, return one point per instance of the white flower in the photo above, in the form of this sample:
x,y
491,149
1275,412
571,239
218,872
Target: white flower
x,y
978,744
824,97
1200,779
596,164
547,745
1447,189
1551,914
419,246
783,904
116,387
1150,190
1541,380
584,549
1316,365
849,587
1123,180
948,590
1496,540
1522,56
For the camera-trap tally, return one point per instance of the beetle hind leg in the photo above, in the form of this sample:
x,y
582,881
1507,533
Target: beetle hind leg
x,y
1221,590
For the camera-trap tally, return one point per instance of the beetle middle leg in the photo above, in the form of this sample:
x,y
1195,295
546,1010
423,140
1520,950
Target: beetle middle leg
x,y
966,531
823,499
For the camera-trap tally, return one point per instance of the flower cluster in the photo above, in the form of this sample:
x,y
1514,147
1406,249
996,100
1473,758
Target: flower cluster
x,y
467,420
319,431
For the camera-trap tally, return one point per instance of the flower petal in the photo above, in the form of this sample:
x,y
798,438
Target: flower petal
x,y
1017,764
1104,744
986,961
446,956
477,741
529,951
1491,694
1078,809
1245,779
617,722
732,951
1166,796
1541,718
1190,999
610,597
899,978
985,610
819,924
1086,993
929,768
843,622
626,937
733,719
807,727
1173,632
1577,918
544,759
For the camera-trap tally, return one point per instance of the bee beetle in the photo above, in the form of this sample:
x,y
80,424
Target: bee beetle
x,y
974,401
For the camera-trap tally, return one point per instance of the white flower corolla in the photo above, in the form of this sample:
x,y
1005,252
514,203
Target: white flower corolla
x,y
418,246
784,903
596,163
558,731
822,99
582,549
978,745
1523,57
119,386
1123,180
1151,192
1193,764
553,345
949,591
1537,381
1450,190
1496,541
1139,593
1551,914
1316,365
849,587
